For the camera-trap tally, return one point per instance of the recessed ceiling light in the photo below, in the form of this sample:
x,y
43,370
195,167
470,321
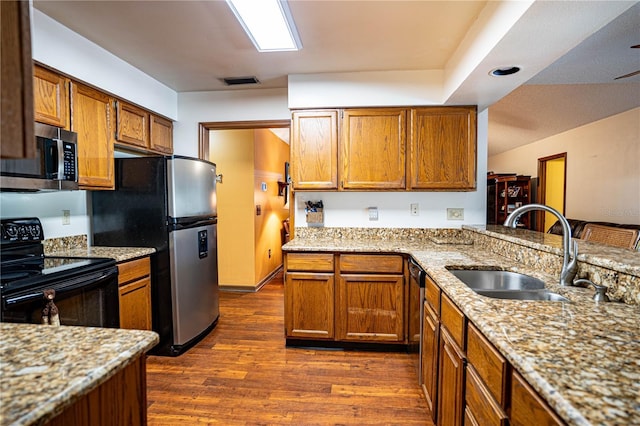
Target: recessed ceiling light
x,y
268,23
502,71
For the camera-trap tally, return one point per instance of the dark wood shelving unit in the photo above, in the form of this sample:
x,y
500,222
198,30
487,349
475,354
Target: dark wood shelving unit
x,y
506,192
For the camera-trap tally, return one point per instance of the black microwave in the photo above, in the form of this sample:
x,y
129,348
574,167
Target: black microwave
x,y
55,166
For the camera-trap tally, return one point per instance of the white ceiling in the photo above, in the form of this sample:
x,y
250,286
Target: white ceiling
x,y
192,45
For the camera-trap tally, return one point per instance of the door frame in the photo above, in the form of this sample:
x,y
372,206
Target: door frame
x,y
542,186
203,145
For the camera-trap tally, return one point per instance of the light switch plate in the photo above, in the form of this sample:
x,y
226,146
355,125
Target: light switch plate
x,y
455,214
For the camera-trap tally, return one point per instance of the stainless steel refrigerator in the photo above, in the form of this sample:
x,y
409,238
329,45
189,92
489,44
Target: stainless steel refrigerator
x,y
168,203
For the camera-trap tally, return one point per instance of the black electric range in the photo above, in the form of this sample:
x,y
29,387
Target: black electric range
x,y
86,289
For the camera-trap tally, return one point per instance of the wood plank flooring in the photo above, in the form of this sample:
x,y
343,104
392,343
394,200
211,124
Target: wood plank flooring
x,y
242,374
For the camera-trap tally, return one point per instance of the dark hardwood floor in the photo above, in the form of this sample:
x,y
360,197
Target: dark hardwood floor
x,y
242,374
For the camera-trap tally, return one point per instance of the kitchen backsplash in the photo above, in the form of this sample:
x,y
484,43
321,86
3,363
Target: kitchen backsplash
x,y
52,245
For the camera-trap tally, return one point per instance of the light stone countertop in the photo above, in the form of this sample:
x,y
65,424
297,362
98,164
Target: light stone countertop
x,y
44,369
120,254
582,357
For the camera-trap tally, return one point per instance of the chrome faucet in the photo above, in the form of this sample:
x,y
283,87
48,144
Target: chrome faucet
x,y
569,247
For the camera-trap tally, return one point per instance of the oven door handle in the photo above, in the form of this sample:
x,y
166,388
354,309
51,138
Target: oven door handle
x,y
85,281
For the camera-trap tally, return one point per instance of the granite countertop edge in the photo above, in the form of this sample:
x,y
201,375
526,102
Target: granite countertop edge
x,y
137,343
482,311
120,254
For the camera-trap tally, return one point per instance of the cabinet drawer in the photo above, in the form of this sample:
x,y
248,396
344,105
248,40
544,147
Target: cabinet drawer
x,y
488,363
484,409
432,294
453,319
133,270
376,263
320,262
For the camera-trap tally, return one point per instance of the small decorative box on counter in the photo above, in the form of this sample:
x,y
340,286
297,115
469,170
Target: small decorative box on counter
x,y
315,213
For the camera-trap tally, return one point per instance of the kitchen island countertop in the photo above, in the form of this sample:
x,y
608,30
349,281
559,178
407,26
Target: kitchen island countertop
x,y
582,357
45,369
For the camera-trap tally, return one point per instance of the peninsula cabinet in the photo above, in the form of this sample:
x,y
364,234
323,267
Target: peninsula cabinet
x,y
465,379
370,297
389,149
309,295
314,149
51,97
443,149
134,285
93,118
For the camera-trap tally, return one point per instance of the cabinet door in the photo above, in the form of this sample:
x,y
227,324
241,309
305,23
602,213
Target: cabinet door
x,y
309,305
93,119
373,147
527,408
135,305
430,351
314,149
450,381
443,148
480,405
51,97
16,96
370,308
132,125
161,135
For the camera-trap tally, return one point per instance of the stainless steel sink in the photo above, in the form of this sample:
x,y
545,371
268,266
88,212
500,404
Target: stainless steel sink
x,y
506,285
523,295
497,280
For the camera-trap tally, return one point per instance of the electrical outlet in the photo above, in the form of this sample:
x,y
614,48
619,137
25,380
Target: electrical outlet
x,y
415,209
66,217
455,214
373,213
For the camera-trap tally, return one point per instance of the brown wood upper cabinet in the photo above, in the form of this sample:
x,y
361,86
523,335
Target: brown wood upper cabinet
x,y
51,97
16,99
395,149
443,148
142,130
132,125
372,148
314,149
93,119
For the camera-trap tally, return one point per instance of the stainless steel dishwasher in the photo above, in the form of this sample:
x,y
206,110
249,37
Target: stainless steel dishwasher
x,y
416,313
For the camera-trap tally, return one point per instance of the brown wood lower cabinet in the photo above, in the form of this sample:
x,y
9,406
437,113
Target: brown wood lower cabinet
x,y
121,400
345,297
465,379
450,381
134,282
527,408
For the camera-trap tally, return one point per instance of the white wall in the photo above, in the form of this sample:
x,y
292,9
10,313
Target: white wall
x,y
228,105
603,171
48,206
350,209
58,47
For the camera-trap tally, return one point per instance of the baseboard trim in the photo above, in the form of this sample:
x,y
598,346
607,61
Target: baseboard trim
x,y
246,289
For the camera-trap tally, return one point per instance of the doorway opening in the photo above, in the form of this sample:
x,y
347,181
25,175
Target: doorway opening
x,y
552,185
252,157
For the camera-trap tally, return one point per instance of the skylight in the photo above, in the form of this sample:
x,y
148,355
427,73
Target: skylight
x,y
268,23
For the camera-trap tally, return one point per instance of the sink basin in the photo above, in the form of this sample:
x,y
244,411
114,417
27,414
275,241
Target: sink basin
x,y
523,295
497,280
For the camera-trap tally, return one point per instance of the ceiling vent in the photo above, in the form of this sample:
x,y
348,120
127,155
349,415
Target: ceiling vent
x,y
236,81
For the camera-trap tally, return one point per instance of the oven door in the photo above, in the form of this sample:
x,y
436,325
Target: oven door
x,y
86,300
